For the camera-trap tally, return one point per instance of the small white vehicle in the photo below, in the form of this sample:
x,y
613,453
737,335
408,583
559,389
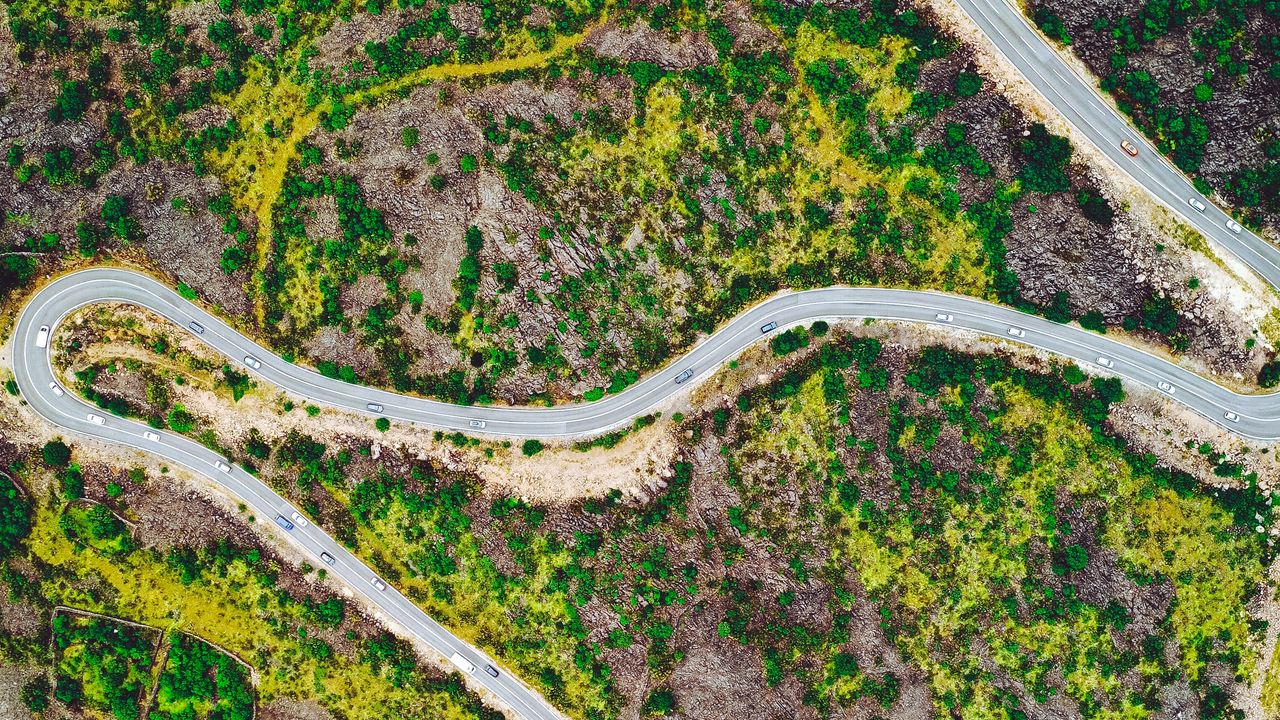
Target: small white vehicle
x,y
463,664
477,424
1165,387
1106,362
327,558
374,407
377,582
1195,203
148,435
42,337
97,419
223,466
56,388
252,362
301,521
1233,226
1017,332
1231,416
944,317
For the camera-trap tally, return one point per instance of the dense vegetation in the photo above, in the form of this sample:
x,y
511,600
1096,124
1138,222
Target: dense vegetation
x,y
857,484
637,225
303,641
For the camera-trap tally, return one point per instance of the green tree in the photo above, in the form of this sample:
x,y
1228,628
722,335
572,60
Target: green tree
x,y
531,447
56,453
968,84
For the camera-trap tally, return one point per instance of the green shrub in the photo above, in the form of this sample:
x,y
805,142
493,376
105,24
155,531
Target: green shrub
x,y
56,453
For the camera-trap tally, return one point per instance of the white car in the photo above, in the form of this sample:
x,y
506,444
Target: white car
x,y
1017,332
378,584
1165,387
477,424
1106,362
1234,226
944,317
1231,416
148,435
252,362
42,337
56,388
1193,202
327,558
301,521
374,407
223,466
97,419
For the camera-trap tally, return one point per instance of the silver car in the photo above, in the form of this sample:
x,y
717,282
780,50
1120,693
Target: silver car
x,y
477,424
1165,387
768,328
374,407
196,327
1234,226
1195,203
684,375
1106,362
1231,416
252,362
56,388
1017,332
327,558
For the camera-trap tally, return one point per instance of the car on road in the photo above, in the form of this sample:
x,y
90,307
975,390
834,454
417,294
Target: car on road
x,y
463,664
477,424
768,328
1233,226
684,375
283,522
1165,387
97,419
1017,332
1195,203
302,522
493,671
327,558
252,362
377,582
196,327
1231,416
56,388
42,337
148,435
223,466
944,317
1129,147
374,407
1106,362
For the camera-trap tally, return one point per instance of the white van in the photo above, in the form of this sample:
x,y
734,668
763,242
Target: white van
x,y
463,664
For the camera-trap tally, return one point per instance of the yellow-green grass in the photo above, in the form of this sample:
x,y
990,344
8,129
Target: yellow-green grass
x,y
473,611
225,610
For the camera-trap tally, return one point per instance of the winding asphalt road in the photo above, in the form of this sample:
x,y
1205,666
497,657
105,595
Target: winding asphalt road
x,y
1254,416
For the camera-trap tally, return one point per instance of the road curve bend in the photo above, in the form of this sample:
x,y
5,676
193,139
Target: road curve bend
x,y
1253,416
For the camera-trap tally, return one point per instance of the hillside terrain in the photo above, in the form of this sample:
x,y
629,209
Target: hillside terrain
x,y
499,203
1197,78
